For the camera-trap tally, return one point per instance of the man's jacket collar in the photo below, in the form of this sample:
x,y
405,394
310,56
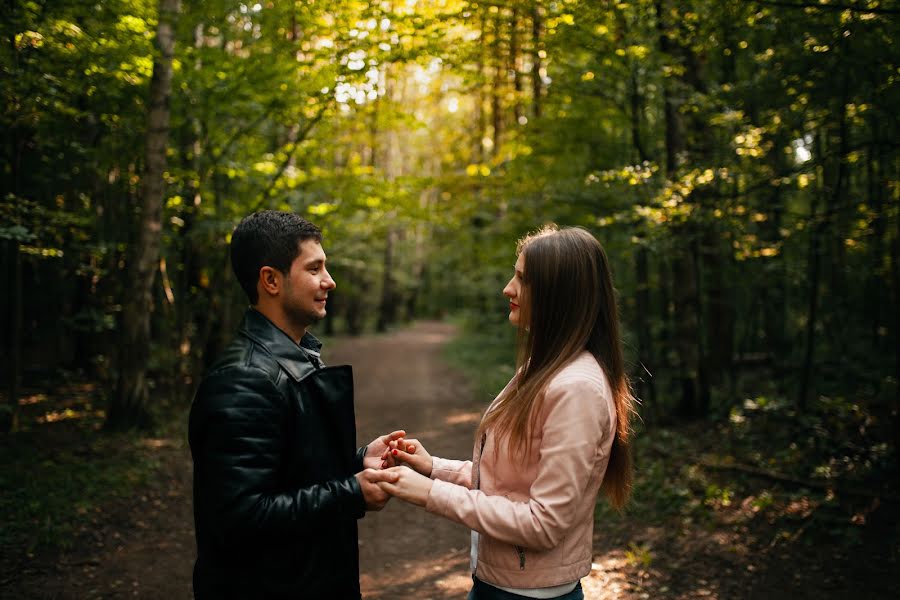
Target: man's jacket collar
x,y
276,342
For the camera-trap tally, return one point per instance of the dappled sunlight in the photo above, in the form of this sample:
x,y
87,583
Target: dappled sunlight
x,y
32,399
608,577
463,418
157,443
68,414
67,402
443,576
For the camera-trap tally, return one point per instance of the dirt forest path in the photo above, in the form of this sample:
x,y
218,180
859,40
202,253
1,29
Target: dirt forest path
x,y
401,382
144,547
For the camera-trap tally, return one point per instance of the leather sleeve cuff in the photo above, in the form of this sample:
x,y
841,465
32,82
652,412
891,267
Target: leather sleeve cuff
x,y
360,455
357,501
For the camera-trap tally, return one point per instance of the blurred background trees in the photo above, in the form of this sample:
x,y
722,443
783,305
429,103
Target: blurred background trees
x,y
738,159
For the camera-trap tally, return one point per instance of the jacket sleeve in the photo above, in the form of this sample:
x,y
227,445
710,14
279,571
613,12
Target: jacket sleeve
x,y
237,430
577,424
454,471
358,461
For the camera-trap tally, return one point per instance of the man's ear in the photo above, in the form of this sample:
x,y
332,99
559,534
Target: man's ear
x,y
269,281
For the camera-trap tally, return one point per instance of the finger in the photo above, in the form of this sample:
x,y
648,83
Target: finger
x,y
390,475
401,455
411,448
394,435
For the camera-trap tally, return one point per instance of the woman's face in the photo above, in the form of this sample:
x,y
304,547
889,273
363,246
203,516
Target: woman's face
x,y
515,291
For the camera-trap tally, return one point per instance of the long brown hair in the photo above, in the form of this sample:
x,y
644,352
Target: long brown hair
x,y
570,307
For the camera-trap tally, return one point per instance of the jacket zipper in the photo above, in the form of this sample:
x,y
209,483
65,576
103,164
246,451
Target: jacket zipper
x,y
521,552
478,482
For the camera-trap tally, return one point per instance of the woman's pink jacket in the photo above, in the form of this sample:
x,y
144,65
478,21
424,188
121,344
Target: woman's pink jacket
x,y
535,513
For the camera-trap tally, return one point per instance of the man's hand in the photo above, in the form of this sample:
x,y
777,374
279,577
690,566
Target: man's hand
x,y
369,481
376,449
409,485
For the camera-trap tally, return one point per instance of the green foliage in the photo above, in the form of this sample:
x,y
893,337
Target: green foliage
x,y
763,470
737,160
53,491
486,353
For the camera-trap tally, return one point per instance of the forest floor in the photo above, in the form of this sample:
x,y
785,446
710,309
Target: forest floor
x,y
750,540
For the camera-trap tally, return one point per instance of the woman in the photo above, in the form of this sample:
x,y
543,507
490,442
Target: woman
x,y
555,433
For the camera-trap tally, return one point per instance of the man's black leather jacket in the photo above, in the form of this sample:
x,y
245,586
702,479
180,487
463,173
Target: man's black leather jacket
x,y
273,438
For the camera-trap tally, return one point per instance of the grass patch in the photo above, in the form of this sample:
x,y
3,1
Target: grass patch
x,y
55,485
787,478
60,473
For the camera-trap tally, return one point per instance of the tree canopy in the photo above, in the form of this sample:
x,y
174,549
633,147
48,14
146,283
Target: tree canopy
x,y
737,158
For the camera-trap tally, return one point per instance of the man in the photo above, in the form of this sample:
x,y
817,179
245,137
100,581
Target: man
x,y
278,484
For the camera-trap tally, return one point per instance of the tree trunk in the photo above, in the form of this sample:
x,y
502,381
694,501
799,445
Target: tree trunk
x,y
537,85
643,319
895,278
513,63
10,422
637,109
895,270
686,301
686,326
812,310
879,234
646,364
480,117
838,211
129,405
387,310
497,86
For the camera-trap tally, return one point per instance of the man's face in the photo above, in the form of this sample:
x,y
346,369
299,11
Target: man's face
x,y
515,291
306,286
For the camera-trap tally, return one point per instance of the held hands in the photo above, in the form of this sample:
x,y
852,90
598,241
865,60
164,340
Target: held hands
x,y
375,450
408,452
387,453
408,485
370,481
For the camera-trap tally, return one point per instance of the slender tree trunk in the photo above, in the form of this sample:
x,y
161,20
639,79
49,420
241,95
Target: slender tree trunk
x,y
812,309
837,211
646,367
11,422
537,85
480,100
879,236
129,405
894,198
14,275
497,88
637,109
513,63
685,298
719,330
387,310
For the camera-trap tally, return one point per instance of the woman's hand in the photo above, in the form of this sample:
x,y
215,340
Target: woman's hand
x,y
409,486
408,452
378,447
